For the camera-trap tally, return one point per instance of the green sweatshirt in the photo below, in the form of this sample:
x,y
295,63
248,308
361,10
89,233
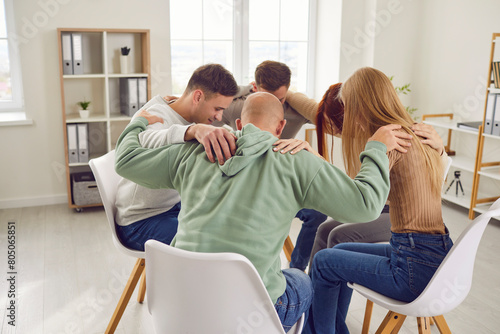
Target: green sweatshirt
x,y
246,206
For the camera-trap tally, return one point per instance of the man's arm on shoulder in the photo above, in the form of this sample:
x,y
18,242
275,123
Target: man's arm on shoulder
x,y
344,199
150,168
158,134
304,105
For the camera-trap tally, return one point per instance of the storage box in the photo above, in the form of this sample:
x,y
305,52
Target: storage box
x,y
85,190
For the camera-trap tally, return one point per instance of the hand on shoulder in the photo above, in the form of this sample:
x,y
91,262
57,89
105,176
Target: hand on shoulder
x,y
392,138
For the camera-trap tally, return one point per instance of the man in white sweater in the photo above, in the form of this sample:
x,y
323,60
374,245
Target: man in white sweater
x,y
143,213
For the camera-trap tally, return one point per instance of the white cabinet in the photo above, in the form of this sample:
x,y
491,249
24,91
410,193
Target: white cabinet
x,y
98,82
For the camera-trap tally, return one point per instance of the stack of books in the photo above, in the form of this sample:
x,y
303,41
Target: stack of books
x,y
496,73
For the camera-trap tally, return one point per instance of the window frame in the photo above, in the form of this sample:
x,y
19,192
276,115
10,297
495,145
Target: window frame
x,y
17,103
241,42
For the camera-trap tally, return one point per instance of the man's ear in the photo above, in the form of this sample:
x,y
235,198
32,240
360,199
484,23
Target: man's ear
x,y
239,125
280,127
197,96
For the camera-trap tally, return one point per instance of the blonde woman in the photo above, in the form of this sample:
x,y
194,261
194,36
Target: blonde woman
x,y
419,240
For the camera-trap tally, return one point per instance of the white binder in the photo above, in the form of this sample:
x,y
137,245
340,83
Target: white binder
x,y
496,124
72,143
142,91
67,53
83,143
491,104
77,53
128,96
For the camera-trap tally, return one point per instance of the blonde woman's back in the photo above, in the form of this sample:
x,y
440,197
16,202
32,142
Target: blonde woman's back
x,y
415,207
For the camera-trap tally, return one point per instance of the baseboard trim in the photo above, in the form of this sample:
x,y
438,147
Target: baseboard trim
x,y
33,201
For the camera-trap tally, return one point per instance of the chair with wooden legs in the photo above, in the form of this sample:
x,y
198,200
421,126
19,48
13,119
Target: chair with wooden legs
x,y
107,180
449,286
288,248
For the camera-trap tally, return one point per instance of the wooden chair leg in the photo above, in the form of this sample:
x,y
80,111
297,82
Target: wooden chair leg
x,y
390,322
398,326
142,288
127,293
431,321
368,317
424,326
442,325
288,248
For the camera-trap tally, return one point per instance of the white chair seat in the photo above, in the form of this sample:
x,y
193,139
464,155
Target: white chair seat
x,y
209,293
107,180
449,285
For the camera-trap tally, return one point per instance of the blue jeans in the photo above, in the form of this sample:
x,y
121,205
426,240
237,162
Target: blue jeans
x,y
311,219
162,227
296,299
400,270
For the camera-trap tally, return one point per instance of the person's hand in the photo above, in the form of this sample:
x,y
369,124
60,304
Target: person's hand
x,y
293,146
215,140
151,118
392,138
169,98
430,136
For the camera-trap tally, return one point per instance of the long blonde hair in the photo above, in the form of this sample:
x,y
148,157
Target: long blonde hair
x,y
370,102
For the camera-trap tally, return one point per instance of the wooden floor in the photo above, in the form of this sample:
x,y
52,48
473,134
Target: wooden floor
x,y
70,276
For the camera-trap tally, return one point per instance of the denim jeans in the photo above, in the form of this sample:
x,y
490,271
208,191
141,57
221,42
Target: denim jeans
x,y
162,227
311,219
400,270
296,299
332,232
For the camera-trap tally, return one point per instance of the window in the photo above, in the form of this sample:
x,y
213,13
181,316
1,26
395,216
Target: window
x,y
240,34
10,73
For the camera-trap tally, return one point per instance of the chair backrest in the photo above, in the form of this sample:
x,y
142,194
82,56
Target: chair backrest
x,y
107,180
447,167
210,293
452,281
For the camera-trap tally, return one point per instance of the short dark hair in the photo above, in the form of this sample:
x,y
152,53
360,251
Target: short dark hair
x,y
213,79
271,75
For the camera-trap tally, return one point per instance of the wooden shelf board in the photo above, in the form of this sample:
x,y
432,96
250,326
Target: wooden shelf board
x,y
75,118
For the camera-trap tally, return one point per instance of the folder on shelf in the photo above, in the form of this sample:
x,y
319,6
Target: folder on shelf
x,y
491,104
83,142
77,47
128,96
496,124
72,143
142,91
67,53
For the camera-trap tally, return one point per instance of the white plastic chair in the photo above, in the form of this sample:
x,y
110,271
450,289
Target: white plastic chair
x,y
107,180
448,287
209,293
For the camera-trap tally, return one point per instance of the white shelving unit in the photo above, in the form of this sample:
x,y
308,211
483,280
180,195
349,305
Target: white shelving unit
x,y
483,162
99,84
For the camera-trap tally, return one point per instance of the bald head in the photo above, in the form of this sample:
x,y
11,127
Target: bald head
x,y
265,111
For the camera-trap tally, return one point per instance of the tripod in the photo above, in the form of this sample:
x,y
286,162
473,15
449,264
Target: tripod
x,y
457,179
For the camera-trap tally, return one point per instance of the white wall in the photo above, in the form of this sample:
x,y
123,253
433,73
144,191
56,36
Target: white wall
x,y
32,168
440,47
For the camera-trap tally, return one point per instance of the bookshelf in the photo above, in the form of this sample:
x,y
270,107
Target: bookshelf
x,y
98,82
480,166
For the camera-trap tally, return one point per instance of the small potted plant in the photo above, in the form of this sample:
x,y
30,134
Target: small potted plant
x,y
84,108
124,59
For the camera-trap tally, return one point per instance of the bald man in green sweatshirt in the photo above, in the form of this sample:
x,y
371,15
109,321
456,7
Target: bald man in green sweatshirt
x,y
246,205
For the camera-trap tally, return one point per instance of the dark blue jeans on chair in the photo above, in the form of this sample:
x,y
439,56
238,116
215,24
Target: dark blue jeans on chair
x,y
400,270
311,219
162,227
